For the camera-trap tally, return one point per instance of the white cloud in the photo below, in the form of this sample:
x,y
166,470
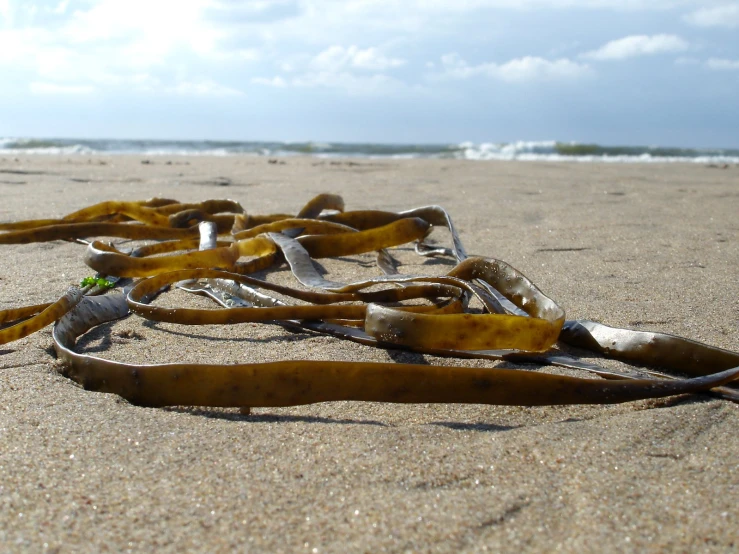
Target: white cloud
x,y
108,43
140,82
527,68
112,36
348,21
719,16
277,82
372,59
137,83
358,85
638,45
203,88
248,54
40,87
337,57
61,7
190,46
344,68
160,24
531,67
5,9
720,64
17,45
351,83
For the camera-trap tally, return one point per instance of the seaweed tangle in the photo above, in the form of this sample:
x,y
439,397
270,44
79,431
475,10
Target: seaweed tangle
x,y
215,248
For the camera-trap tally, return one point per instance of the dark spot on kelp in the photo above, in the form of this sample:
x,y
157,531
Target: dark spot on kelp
x,y
482,384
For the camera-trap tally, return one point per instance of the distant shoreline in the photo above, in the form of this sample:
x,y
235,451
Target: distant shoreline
x,y
536,151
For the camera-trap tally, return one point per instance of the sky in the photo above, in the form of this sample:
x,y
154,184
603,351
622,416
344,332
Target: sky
x,y
616,72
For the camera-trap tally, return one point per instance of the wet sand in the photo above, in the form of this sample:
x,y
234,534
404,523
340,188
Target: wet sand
x,y
651,247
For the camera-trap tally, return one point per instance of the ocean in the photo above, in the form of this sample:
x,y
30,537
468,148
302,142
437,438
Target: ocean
x,y
521,150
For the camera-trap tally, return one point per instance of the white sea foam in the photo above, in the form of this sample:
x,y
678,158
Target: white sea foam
x,y
506,151
547,151
11,147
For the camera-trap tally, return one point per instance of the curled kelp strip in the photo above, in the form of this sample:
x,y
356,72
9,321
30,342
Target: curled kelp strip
x,y
648,348
433,215
478,331
104,259
157,219
304,226
68,231
34,320
326,306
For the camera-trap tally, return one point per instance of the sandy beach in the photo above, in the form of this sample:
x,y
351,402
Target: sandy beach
x,y
644,246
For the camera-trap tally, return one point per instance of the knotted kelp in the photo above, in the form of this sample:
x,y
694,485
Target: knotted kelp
x,y
481,308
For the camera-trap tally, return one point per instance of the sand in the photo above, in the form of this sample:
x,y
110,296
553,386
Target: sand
x,y
648,246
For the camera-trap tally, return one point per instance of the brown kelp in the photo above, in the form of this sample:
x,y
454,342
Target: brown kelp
x,y
482,308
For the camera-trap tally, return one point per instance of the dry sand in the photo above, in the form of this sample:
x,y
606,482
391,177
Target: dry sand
x,y
646,246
